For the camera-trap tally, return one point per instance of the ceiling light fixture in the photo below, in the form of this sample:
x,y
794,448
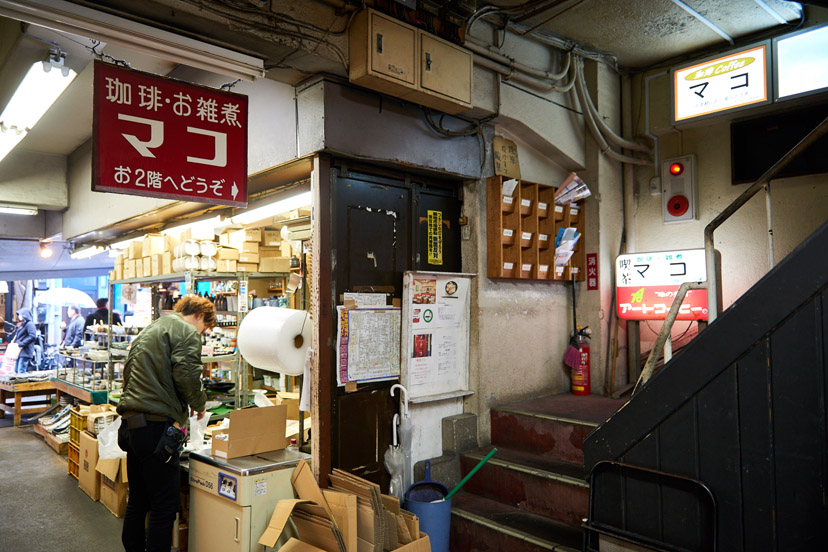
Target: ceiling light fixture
x,y
273,209
86,252
122,244
91,23
10,209
42,85
45,251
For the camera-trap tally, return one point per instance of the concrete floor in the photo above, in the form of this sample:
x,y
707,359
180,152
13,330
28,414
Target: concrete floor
x,y
43,510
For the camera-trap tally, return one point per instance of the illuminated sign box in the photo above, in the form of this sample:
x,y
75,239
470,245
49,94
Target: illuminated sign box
x,y
727,82
647,283
801,63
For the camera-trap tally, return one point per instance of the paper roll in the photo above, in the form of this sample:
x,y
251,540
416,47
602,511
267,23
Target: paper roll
x,y
207,263
275,339
186,248
185,263
208,248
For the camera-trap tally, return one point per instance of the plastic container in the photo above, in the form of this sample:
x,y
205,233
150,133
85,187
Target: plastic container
x,y
425,499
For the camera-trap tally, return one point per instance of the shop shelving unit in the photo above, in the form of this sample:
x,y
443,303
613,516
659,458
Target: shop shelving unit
x,y
521,230
239,366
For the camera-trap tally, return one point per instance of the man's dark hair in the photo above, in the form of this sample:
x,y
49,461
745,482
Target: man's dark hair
x,y
102,302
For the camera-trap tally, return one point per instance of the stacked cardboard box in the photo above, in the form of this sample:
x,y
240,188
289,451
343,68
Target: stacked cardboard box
x,y
114,484
246,241
89,480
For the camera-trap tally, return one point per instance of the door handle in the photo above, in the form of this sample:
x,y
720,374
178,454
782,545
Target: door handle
x,y
379,43
428,61
237,537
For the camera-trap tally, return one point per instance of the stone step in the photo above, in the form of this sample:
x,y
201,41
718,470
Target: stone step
x,y
479,524
530,482
553,426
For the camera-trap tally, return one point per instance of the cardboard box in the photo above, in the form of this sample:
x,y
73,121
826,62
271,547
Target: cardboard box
x,y
247,267
154,244
134,249
274,264
251,431
295,545
147,266
266,251
225,253
89,480
291,400
119,272
155,261
271,237
248,247
97,421
166,262
198,233
223,265
245,257
114,484
235,238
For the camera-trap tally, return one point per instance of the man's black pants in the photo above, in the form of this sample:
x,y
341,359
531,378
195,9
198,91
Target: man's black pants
x,y
154,487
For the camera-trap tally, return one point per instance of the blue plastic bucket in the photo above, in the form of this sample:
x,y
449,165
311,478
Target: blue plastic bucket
x,y
435,521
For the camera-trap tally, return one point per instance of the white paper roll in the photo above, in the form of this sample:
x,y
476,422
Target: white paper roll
x,y
186,248
275,339
207,263
185,263
208,248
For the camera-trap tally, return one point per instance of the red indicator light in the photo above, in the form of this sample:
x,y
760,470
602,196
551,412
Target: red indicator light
x,y
676,169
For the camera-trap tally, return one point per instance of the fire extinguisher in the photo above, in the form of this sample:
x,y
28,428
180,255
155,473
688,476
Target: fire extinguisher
x,y
580,374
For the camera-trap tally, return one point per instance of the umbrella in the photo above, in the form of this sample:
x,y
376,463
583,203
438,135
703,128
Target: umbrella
x,y
395,463
65,297
405,435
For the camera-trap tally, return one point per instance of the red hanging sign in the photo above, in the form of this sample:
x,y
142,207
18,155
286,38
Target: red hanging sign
x,y
159,137
592,270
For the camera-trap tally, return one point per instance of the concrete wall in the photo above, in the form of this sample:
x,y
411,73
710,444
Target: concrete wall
x,y
34,179
799,205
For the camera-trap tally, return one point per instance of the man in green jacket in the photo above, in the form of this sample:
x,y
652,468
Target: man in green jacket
x,y
162,378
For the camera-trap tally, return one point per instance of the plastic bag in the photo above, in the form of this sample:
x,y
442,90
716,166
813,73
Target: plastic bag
x,y
197,429
108,448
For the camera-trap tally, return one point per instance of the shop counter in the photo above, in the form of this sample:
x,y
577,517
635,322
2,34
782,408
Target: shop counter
x,y
87,395
17,391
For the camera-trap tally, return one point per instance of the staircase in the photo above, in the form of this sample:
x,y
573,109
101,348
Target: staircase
x,y
532,495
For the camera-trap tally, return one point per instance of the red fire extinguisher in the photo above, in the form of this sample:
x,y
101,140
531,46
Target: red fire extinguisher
x,y
580,373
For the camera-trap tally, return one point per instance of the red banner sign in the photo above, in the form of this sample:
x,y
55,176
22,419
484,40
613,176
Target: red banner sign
x,y
592,270
653,303
159,137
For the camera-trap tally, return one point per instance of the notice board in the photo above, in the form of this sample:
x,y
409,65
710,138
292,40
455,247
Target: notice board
x,y
434,357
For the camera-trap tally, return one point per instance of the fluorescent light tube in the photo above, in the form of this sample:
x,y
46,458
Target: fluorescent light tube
x,y
210,224
41,86
87,252
273,209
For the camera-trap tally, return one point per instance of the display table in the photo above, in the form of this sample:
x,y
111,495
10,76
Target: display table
x,y
17,391
81,393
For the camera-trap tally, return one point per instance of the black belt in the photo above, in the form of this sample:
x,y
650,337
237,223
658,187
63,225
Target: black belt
x,y
140,419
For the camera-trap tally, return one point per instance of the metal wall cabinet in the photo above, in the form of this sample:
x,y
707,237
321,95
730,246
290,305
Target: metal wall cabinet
x,y
392,57
383,54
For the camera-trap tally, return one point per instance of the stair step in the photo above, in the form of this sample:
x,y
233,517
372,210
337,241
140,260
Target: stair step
x,y
531,483
552,426
479,525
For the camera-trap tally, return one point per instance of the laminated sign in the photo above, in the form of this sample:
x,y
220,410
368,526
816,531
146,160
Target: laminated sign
x,y
435,237
158,137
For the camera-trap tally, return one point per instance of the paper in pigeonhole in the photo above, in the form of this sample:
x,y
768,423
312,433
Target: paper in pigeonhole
x,y
509,186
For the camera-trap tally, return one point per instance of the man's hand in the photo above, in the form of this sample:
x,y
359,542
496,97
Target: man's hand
x,y
201,414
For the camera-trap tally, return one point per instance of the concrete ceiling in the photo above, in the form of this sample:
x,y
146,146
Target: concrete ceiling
x,y
642,33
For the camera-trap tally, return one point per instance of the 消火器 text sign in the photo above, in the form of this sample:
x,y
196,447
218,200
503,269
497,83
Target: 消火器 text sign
x,y
159,137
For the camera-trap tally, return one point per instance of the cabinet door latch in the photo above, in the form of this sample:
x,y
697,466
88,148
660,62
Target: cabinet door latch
x,y
379,43
428,61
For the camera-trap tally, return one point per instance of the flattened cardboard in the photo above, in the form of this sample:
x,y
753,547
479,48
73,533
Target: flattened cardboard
x,y
252,430
306,487
88,479
423,544
311,523
344,508
295,545
113,468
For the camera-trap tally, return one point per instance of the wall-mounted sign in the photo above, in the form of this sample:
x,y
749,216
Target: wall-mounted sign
x,y
158,137
592,271
646,284
732,81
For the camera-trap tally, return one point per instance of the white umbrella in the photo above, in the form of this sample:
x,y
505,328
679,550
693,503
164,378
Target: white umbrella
x,y
65,297
405,436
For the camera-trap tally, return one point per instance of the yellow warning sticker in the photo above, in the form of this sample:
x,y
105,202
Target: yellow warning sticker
x,y
435,237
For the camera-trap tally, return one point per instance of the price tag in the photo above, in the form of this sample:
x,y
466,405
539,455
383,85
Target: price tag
x,y
559,208
573,212
525,202
526,267
508,199
574,270
508,266
527,235
542,206
243,296
543,268
508,233
543,237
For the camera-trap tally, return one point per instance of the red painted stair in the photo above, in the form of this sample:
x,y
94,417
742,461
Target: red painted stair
x,y
533,494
